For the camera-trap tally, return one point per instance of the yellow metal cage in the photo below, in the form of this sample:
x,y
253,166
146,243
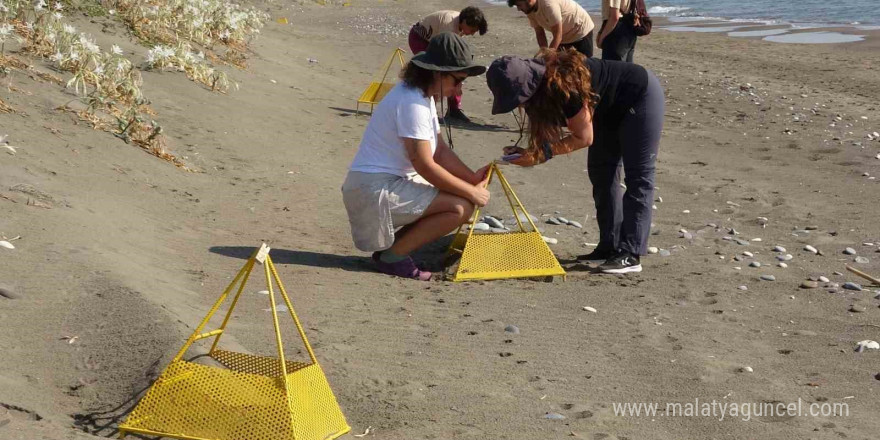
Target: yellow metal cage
x,y
379,87
250,397
516,254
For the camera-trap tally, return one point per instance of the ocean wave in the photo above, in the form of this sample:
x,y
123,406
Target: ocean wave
x,y
662,10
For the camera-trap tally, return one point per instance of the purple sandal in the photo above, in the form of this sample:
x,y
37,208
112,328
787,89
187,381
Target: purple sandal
x,y
405,268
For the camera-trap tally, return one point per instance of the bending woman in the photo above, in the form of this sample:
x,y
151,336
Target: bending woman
x,y
404,173
614,106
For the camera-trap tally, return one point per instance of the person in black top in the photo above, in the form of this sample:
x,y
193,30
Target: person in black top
x,y
613,106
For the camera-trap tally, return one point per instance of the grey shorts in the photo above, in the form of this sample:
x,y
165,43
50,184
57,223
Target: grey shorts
x,y
377,203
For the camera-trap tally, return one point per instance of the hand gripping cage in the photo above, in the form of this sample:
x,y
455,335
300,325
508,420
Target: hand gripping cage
x,y
248,398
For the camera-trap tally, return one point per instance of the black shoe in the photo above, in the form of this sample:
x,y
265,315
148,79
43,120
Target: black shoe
x,y
621,263
456,115
598,256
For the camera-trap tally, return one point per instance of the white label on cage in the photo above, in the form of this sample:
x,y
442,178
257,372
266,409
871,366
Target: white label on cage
x,y
263,253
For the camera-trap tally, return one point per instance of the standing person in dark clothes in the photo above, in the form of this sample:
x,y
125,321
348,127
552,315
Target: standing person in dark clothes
x,y
616,109
568,22
468,21
616,36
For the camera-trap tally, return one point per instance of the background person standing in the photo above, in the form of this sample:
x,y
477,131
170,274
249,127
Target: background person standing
x,y
616,36
468,21
568,22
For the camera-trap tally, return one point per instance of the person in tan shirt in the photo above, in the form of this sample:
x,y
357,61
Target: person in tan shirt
x,y
568,22
468,21
616,37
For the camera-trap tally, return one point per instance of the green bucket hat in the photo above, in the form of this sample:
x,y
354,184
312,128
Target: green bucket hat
x,y
448,52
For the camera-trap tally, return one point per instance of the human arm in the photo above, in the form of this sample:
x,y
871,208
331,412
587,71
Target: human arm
x,y
446,158
554,21
541,36
610,24
556,30
580,135
419,153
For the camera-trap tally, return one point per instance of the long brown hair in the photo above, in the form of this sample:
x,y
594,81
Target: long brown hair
x,y
566,76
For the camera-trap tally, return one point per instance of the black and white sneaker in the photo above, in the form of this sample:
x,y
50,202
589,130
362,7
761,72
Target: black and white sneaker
x,y
598,256
621,263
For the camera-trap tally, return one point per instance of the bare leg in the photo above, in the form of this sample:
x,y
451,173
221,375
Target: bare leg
x,y
445,213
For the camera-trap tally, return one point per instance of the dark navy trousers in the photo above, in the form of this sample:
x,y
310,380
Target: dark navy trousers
x,y
624,217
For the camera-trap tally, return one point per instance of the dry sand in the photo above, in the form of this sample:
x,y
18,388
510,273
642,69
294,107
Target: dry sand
x,y
133,251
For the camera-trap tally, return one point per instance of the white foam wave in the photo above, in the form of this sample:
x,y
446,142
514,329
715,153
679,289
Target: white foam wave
x,y
663,10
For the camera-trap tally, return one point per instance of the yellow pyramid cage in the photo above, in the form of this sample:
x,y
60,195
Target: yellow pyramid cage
x,y
382,83
247,397
521,253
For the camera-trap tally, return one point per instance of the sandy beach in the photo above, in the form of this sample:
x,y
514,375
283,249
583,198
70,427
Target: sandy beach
x,y
120,254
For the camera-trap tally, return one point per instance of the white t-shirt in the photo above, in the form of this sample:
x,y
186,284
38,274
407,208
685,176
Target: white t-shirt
x,y
403,113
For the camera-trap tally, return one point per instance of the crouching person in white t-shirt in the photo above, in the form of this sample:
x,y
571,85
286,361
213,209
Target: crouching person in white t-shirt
x,y
404,173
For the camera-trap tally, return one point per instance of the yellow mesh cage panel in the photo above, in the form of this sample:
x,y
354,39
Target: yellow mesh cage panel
x,y
384,80
248,397
517,254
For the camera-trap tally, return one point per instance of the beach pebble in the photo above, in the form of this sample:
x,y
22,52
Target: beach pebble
x,y
852,286
748,254
686,236
867,344
523,218
6,244
741,242
849,251
7,293
737,258
755,264
807,284
746,370
493,222
743,287
840,274
554,416
768,277
778,249
809,248
737,268
824,279
856,308
757,239
512,329
782,265
481,227
575,224
653,250
786,257
861,260
553,221
589,309
499,230
665,253
262,292
550,240
686,211
562,220
659,199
